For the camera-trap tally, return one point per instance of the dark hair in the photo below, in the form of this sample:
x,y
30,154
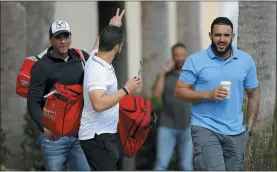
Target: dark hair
x,y
221,21
178,45
110,36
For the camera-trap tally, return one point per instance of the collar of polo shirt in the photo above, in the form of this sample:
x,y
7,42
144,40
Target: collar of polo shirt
x,y
212,55
99,60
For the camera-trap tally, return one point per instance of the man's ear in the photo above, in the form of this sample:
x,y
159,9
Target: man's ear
x,y
233,36
50,40
116,48
210,35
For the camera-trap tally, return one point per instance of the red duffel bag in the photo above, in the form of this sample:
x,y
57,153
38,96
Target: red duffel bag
x,y
135,121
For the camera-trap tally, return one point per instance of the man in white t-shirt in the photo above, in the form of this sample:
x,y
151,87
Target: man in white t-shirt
x,y
98,131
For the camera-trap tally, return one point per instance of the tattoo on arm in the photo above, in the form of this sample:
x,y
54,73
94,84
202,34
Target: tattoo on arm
x,y
253,106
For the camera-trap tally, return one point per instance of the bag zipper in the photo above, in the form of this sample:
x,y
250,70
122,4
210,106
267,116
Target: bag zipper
x,y
138,126
135,103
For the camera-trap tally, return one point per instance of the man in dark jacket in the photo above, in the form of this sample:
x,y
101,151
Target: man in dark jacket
x,y
60,64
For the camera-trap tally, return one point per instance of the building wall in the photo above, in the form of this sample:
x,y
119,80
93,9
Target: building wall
x,y
231,10
134,38
188,25
208,12
83,20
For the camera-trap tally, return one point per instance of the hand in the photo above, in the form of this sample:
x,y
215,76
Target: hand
x,y
51,136
133,84
218,93
117,19
168,65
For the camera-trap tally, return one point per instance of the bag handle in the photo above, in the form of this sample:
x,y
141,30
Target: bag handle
x,y
81,55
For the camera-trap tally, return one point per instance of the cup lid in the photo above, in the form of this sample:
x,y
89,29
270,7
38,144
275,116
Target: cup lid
x,y
225,82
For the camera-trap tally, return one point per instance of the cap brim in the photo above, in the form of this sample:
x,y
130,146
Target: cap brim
x,y
60,32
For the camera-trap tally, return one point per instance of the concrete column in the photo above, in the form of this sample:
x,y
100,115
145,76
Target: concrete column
x,y
188,25
83,20
208,12
231,10
155,39
134,38
172,24
24,27
13,51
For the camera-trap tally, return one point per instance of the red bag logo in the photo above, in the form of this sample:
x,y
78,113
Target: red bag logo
x,y
51,114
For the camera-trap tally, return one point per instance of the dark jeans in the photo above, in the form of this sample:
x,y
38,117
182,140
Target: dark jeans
x,y
63,154
104,152
213,151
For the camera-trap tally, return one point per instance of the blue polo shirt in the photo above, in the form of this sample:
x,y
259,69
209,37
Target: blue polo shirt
x,y
204,70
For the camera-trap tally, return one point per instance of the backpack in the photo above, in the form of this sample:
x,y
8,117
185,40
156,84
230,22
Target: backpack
x,y
135,120
63,104
24,75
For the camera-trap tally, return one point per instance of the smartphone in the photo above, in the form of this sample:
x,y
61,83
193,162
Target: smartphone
x,y
140,70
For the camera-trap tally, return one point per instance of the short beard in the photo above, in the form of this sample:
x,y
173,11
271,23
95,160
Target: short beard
x,y
221,53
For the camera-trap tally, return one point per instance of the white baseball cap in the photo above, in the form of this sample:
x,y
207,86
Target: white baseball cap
x,y
58,27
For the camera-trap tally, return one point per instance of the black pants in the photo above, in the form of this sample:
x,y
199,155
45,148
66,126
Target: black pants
x,y
104,152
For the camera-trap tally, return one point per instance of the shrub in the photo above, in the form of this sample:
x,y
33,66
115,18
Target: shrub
x,y
31,157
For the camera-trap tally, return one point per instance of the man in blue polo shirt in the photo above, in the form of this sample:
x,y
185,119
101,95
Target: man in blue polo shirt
x,y
218,131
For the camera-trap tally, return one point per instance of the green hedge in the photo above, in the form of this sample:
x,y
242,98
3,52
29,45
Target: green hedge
x,y
4,150
31,157
145,158
261,148
274,151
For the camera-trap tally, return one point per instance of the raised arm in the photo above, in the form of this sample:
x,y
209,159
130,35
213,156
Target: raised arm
x,y
115,21
158,86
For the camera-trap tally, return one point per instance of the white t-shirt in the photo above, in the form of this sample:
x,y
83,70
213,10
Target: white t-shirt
x,y
98,75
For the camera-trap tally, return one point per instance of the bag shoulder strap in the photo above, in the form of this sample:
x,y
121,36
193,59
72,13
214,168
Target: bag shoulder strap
x,y
81,55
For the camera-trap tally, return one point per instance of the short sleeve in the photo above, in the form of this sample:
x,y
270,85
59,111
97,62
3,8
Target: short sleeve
x,y
251,80
188,73
96,78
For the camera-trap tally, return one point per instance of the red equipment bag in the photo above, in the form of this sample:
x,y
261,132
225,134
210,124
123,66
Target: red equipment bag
x,y
23,77
135,121
63,109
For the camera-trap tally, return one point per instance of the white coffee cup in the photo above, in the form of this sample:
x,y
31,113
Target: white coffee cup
x,y
227,85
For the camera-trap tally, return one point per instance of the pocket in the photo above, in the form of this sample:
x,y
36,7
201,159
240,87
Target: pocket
x,y
198,159
43,139
194,129
112,148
